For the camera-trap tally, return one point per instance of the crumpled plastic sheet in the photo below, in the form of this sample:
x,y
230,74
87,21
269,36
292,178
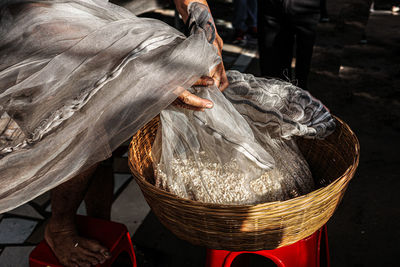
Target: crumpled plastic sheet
x,y
241,151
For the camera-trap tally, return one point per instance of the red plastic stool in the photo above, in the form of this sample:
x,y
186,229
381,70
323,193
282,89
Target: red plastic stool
x,y
312,251
114,236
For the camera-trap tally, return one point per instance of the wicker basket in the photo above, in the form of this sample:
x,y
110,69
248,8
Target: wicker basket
x,y
333,162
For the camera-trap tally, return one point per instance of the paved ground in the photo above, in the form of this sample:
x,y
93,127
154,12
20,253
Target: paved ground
x,y
359,82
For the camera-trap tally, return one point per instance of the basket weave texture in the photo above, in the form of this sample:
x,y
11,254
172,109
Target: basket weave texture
x,y
333,162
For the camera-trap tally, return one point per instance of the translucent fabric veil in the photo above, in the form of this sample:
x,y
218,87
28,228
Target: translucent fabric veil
x,y
77,79
241,151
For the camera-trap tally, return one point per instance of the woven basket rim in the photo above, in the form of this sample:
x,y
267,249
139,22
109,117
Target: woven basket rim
x,y
314,193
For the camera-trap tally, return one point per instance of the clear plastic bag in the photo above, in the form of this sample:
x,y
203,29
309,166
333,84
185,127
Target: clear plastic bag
x,y
240,151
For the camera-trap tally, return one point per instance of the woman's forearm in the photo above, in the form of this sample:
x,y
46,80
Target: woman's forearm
x,y
181,6
204,20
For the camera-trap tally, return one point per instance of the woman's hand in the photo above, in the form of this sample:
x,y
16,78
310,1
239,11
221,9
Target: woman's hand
x,y
217,77
201,13
218,73
190,101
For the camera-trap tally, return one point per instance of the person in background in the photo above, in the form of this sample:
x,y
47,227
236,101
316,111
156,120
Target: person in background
x,y
324,12
244,19
281,25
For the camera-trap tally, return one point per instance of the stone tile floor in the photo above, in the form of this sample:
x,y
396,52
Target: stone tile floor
x,y
22,228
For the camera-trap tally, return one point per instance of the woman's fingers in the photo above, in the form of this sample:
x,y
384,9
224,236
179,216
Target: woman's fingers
x,y
219,76
218,73
205,81
193,102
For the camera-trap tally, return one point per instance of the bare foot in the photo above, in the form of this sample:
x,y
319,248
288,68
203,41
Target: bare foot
x,y
73,250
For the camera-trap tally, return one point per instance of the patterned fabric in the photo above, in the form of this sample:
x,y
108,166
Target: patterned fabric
x,y
278,108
